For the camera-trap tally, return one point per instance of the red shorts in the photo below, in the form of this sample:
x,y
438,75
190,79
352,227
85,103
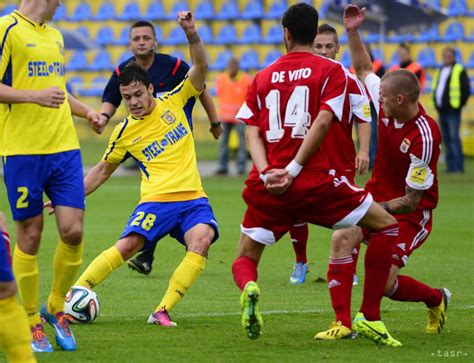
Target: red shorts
x,y
314,197
414,229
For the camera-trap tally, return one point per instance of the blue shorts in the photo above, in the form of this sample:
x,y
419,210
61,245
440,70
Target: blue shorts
x,y
154,220
58,175
6,274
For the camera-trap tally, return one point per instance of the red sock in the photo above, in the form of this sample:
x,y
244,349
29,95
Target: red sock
x,y
378,259
299,239
244,269
340,276
408,289
355,256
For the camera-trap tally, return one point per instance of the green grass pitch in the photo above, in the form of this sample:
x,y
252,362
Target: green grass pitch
x,y
208,317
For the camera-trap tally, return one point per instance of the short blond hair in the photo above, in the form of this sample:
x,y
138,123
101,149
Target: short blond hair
x,y
404,82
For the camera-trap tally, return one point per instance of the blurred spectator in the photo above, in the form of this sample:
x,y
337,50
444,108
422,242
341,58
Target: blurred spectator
x,y
232,86
450,93
406,62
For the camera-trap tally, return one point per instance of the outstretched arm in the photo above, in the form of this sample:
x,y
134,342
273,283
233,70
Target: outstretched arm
x,y
353,19
52,97
198,71
98,175
80,109
206,100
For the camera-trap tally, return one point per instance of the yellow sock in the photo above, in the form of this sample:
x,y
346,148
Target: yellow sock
x,y
101,268
67,261
182,279
25,269
15,335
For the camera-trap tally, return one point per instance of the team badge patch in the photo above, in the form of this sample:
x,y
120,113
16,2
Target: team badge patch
x,y
405,145
418,175
366,110
168,117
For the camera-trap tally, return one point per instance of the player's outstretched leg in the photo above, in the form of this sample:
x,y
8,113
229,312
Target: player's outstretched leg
x,y
437,314
142,263
374,330
251,319
62,331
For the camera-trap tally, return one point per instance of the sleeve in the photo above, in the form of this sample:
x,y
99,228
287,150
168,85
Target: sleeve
x,y
465,88
183,69
250,110
112,91
180,95
372,82
358,100
116,151
5,46
420,176
333,92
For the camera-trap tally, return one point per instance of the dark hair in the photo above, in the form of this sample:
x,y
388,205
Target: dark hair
x,y
133,72
328,29
141,24
404,46
301,20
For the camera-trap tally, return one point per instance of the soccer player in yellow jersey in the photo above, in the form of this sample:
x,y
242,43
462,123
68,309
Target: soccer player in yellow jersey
x,y
158,136
41,154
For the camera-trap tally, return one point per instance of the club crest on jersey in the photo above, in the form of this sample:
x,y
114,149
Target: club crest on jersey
x,y
366,110
168,117
405,145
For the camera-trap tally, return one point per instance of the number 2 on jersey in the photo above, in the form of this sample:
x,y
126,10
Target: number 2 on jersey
x,y
296,114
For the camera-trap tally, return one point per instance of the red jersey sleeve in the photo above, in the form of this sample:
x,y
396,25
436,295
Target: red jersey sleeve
x,y
250,110
333,91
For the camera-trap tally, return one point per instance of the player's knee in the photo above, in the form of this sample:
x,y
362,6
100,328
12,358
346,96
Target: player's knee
x,y
72,234
200,245
341,244
7,289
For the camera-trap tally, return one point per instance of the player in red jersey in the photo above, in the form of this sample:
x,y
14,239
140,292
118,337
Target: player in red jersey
x,y
404,181
338,145
289,109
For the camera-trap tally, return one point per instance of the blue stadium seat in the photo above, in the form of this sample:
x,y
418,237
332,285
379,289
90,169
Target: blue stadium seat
x,y
124,36
272,56
251,35
130,12
249,60
346,59
60,14
454,32
378,53
74,84
371,38
95,89
105,35
78,61
205,32
106,11
179,6
227,34
343,38
427,58
229,10
470,61
274,34
124,56
253,10
221,60
178,54
204,10
428,83
102,61
276,10
394,59
8,9
457,8
155,11
175,36
84,31
83,11
429,35
400,38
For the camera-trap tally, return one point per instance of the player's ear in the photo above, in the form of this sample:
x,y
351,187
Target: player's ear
x,y
150,89
338,47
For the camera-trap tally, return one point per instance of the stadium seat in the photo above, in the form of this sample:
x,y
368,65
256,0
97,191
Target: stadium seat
x,y
274,34
175,36
73,84
102,61
78,61
427,58
251,35
277,8
106,11
272,56
454,32
249,60
124,56
131,11
179,6
204,10
105,36
124,36
95,88
155,11
60,14
229,10
83,11
346,59
205,32
377,53
84,31
178,54
394,60
428,83
470,61
429,35
221,60
8,9
399,38
227,34
371,38
252,10
457,8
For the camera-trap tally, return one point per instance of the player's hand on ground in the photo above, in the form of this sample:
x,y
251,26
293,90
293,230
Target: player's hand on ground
x,y
353,17
216,131
49,206
278,181
186,21
362,162
97,121
52,97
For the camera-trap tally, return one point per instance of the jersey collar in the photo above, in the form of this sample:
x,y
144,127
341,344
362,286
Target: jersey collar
x,y
28,20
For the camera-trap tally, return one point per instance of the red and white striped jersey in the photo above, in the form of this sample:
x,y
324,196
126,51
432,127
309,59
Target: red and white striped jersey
x,y
407,154
284,100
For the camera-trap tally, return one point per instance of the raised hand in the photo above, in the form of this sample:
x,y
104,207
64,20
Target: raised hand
x,y
186,21
353,17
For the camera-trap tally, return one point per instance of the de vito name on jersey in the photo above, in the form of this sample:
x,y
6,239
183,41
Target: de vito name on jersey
x,y
45,69
294,75
170,138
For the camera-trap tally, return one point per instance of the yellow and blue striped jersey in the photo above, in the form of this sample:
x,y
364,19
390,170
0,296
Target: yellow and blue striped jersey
x,y
163,146
32,58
